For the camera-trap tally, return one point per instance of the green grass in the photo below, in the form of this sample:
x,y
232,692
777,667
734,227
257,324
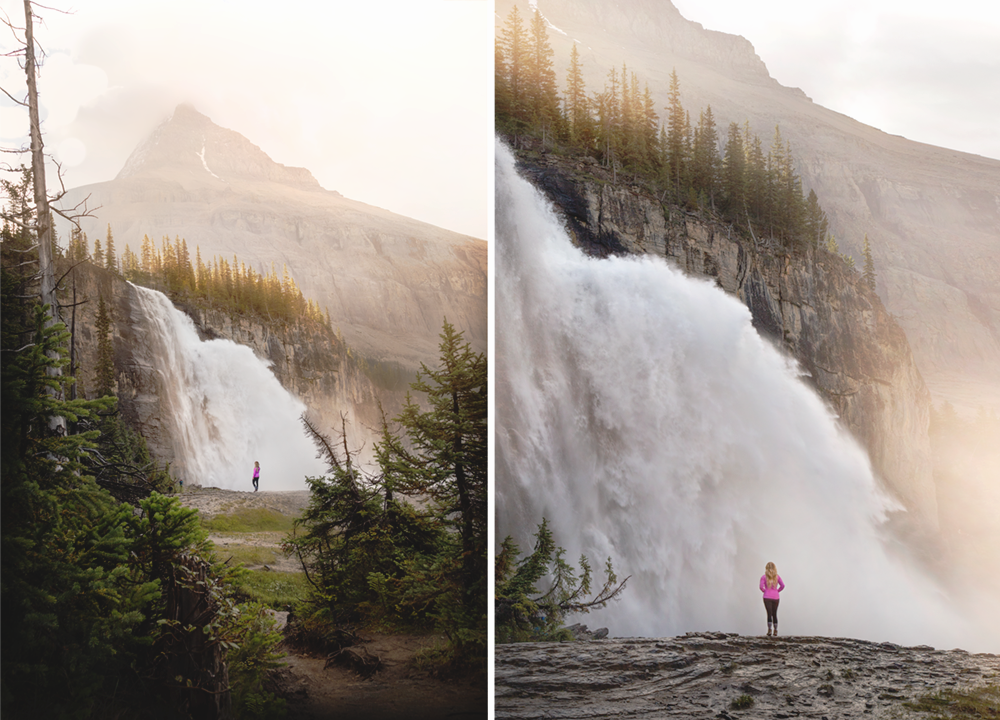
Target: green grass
x,y
276,590
982,702
246,520
246,555
743,702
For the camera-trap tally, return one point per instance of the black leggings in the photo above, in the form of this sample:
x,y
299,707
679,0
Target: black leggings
x,y
255,483
772,610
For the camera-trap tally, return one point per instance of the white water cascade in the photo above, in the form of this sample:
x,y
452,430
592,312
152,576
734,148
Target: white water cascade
x,y
641,414
221,407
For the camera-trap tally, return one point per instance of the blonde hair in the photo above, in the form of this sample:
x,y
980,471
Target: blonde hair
x,y
771,572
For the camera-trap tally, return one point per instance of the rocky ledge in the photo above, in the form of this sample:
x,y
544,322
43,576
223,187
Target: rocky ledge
x,y
724,675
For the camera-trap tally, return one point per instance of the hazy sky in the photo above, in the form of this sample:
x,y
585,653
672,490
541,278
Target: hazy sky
x,y
387,102
928,70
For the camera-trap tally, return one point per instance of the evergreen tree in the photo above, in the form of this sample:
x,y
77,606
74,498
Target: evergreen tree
x,y
869,271
705,156
543,98
444,461
650,129
523,613
110,260
69,600
514,46
105,370
815,224
577,109
98,256
609,117
676,137
734,172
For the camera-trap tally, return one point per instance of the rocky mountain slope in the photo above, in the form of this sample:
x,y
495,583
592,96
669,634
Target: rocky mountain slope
x,y
932,214
816,307
723,675
387,281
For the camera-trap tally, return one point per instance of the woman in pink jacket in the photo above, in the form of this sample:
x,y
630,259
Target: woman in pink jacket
x,y
771,585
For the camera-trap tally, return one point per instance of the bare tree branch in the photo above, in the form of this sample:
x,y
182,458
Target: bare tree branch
x,y
19,102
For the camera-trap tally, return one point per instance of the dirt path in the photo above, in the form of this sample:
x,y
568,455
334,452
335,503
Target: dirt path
x,y
313,690
397,691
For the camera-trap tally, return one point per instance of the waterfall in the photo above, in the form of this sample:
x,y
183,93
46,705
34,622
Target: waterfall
x,y
221,407
641,414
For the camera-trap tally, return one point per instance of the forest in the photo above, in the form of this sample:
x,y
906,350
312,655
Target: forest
x,y
230,286
99,558
683,161
114,602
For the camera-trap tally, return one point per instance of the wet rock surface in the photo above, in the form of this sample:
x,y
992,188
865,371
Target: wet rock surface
x,y
700,675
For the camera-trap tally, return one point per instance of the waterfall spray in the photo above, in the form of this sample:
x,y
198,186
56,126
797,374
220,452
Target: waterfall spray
x,y
222,407
641,414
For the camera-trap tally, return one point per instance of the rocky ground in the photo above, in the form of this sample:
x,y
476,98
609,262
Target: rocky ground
x,y
702,675
210,501
317,689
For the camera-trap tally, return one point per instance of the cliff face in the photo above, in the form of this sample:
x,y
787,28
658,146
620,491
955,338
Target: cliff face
x,y
932,215
853,352
317,370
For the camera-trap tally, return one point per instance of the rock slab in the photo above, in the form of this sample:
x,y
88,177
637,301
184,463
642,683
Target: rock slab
x,y
699,675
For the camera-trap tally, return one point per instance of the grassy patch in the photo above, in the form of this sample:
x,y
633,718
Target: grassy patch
x,y
246,520
983,702
276,590
247,554
743,702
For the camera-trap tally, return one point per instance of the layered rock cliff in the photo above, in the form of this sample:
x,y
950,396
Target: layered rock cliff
x,y
812,304
932,214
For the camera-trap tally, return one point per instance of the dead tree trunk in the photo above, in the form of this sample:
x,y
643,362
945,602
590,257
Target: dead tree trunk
x,y
43,217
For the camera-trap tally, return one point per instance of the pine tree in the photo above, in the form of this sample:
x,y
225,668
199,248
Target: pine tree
x,y
650,129
446,459
98,256
577,109
869,271
705,156
815,223
104,371
523,612
609,117
734,172
676,136
110,261
514,46
543,98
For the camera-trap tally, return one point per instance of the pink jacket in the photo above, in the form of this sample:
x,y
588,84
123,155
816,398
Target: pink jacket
x,y
770,593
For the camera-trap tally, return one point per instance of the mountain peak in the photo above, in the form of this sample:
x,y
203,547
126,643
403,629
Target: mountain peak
x,y
189,143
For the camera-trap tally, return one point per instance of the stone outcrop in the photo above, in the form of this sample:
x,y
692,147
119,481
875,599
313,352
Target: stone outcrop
x,y
702,675
811,303
389,281
932,214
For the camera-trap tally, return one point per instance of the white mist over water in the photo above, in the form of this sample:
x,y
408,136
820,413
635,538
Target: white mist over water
x,y
641,414
222,407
